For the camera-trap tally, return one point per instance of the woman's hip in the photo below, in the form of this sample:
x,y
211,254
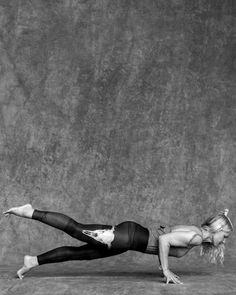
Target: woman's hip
x,y
130,235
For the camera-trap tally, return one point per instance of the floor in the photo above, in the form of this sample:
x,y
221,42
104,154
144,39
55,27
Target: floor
x,y
96,278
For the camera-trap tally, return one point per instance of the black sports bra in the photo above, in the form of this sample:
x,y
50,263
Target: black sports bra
x,y
189,246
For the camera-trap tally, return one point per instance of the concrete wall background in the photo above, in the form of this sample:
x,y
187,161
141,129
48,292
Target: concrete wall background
x,y
115,110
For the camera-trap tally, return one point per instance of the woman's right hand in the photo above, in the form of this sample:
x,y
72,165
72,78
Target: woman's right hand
x,y
171,277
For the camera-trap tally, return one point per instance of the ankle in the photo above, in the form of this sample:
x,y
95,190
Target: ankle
x,y
28,211
36,260
30,261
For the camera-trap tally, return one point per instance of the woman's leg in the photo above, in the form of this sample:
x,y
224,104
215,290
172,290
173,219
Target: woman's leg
x,y
85,252
95,234
66,253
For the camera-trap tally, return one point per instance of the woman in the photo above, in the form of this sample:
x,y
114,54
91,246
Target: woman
x,y
105,240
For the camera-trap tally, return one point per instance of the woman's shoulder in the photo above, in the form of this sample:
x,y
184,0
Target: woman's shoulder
x,y
192,227
161,229
193,230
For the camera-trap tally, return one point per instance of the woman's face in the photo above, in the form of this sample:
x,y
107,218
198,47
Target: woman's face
x,y
219,237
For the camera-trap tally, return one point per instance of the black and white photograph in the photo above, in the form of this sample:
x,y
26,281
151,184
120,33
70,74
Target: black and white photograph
x,y
117,147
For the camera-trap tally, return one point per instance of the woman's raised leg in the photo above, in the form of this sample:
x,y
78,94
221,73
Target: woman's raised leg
x,y
95,234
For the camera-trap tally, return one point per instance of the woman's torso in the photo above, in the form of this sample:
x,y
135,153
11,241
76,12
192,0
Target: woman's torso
x,y
155,232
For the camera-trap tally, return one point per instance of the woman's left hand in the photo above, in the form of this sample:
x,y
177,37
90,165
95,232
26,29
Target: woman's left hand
x,y
171,277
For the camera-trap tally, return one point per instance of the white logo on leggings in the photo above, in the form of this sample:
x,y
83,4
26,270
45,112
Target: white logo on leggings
x,y
105,236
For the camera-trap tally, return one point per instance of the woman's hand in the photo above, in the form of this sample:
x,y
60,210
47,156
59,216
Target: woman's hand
x,y
171,277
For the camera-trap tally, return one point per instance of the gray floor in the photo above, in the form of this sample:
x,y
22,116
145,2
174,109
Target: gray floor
x,y
97,278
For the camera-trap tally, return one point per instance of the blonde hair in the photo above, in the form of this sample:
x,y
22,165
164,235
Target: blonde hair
x,y
213,254
214,224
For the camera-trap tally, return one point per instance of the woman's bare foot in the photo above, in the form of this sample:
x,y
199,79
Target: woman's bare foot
x,y
29,262
22,211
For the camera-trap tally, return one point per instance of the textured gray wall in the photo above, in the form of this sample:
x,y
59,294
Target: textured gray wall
x,y
115,110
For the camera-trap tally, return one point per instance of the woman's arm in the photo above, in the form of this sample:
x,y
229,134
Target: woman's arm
x,y
175,252
175,239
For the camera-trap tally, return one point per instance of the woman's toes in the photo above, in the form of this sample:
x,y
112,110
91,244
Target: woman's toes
x,y
7,212
20,273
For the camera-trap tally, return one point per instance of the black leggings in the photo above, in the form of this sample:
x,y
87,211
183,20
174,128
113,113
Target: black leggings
x,y
101,240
